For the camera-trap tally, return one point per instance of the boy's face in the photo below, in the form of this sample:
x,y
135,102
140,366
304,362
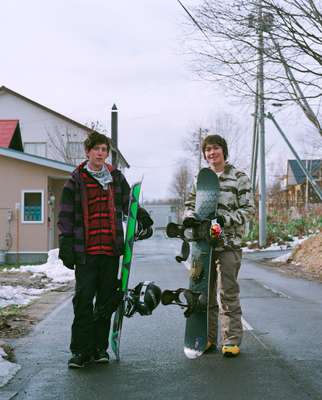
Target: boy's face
x,y
214,155
97,156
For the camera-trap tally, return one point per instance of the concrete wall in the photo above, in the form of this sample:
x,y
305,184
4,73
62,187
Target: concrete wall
x,y
161,214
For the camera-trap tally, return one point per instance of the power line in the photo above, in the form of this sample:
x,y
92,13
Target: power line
x,y
193,19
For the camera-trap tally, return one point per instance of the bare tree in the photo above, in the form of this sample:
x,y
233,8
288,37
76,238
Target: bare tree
x,y
226,126
59,140
228,50
311,144
66,143
193,145
235,135
300,25
180,186
98,126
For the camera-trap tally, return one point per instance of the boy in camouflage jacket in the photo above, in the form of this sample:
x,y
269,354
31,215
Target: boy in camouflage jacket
x,y
235,208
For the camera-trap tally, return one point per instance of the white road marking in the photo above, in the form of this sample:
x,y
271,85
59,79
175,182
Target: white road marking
x,y
187,264
277,292
246,325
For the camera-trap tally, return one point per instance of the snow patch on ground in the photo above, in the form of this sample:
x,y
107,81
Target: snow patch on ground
x,y
7,368
53,269
275,246
283,258
18,295
7,371
54,274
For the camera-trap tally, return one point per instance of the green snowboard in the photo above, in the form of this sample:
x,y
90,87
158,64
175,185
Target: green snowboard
x,y
115,337
196,333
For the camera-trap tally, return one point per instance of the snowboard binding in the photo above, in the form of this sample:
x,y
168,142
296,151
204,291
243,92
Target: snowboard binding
x,y
143,233
194,230
191,230
178,231
185,298
144,298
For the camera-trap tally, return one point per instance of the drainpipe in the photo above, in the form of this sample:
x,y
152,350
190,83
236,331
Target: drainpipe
x,y
17,238
114,131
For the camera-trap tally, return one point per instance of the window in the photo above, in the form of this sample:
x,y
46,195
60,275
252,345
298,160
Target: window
x,y
38,149
32,207
75,150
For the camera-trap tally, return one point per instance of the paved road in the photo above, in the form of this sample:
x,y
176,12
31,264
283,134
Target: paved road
x,y
281,358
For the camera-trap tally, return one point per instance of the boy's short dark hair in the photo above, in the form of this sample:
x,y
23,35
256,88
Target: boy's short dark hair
x,y
95,138
215,139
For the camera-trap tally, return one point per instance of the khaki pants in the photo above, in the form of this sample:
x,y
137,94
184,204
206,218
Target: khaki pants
x,y
223,278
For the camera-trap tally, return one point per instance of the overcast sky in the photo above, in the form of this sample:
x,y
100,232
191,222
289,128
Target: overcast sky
x,y
79,57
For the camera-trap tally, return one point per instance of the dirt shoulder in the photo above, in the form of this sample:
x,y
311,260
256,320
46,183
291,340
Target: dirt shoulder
x,y
297,271
305,260
18,321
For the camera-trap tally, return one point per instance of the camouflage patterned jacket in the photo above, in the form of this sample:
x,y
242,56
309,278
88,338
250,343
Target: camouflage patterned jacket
x,y
236,204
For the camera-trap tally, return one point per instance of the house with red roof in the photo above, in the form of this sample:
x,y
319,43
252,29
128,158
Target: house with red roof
x,y
48,133
38,151
10,136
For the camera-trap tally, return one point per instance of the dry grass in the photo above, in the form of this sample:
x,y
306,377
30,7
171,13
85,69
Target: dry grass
x,y
308,255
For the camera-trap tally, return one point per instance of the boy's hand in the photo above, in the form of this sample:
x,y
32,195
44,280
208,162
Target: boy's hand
x,y
189,222
221,220
215,230
66,253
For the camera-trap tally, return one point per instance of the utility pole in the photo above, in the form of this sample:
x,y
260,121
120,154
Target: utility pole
x,y
306,188
253,170
262,23
261,129
199,149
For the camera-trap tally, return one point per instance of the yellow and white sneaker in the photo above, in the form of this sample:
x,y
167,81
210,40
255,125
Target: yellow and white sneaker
x,y
230,350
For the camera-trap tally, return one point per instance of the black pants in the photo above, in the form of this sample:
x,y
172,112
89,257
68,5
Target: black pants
x,y
95,279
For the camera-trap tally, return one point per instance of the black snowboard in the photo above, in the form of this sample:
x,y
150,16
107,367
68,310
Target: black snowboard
x,y
196,333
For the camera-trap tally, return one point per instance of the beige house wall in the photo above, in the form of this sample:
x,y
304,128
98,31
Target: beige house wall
x,y
16,176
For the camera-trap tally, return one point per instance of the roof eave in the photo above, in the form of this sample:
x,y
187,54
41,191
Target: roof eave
x,y
45,162
57,114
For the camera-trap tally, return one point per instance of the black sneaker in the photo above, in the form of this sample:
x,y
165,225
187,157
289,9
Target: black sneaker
x,y
78,361
211,348
101,356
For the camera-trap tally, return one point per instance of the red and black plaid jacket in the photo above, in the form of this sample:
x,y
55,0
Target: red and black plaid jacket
x,y
73,219
101,217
